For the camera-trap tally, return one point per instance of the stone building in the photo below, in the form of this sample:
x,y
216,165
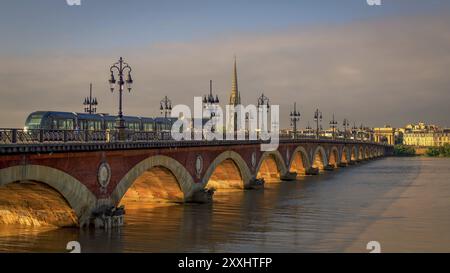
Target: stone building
x,y
384,135
423,135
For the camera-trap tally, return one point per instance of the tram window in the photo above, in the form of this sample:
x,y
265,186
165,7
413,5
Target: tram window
x,y
133,126
34,122
110,125
69,124
166,126
148,127
91,125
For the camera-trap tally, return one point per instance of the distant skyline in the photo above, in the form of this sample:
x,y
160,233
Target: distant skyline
x,y
372,65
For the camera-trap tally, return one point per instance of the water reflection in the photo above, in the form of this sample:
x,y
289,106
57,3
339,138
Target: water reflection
x,y
331,213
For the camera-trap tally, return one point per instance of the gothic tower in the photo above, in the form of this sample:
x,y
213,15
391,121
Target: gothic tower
x,y
235,98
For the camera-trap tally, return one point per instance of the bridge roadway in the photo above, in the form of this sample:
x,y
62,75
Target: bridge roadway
x,y
67,181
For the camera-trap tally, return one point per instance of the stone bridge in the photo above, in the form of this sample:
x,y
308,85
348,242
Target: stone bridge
x,y
64,184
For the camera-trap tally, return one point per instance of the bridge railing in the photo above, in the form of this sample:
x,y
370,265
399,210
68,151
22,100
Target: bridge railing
x,y
37,136
20,136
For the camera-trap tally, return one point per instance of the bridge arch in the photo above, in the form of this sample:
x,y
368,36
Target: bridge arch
x,y
345,155
228,170
299,162
78,197
354,153
319,158
360,153
176,175
271,167
333,157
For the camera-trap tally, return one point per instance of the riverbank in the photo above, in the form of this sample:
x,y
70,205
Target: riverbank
x,y
403,150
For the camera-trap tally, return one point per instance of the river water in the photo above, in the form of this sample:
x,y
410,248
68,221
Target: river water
x,y
403,203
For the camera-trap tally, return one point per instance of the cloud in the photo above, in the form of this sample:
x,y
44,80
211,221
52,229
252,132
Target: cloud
x,y
392,71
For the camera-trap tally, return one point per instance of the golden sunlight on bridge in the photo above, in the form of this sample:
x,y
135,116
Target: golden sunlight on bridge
x,y
269,170
155,187
298,165
34,204
226,177
319,162
333,160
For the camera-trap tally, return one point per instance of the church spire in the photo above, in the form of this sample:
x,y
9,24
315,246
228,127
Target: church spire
x,y
235,95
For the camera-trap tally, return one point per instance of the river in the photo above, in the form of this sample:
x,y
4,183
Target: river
x,y
403,203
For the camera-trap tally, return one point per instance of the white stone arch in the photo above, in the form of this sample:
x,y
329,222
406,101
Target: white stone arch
x,y
338,155
366,152
321,150
237,159
180,173
305,158
346,151
281,165
77,195
354,151
361,151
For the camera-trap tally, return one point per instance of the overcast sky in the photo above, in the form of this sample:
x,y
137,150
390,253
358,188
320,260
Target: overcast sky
x,y
372,65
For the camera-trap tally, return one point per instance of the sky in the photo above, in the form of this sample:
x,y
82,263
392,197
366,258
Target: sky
x,y
376,65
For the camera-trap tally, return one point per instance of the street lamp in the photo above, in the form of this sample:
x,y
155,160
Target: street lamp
x,y
295,117
263,100
90,103
210,100
211,103
318,118
333,125
345,124
355,131
165,107
309,130
361,132
121,68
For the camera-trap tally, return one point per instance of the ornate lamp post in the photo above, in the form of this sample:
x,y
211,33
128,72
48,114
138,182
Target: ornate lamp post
x,y
121,67
295,117
309,130
165,107
361,130
318,118
211,103
345,124
355,131
333,124
263,101
90,103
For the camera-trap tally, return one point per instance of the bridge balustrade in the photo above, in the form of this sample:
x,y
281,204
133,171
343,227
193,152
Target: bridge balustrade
x,y
39,136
